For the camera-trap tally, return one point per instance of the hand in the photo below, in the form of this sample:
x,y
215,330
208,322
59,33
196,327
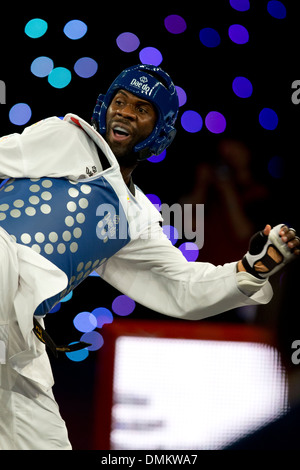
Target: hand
x,y
270,250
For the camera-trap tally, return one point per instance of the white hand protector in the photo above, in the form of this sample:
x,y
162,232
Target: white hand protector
x,y
259,251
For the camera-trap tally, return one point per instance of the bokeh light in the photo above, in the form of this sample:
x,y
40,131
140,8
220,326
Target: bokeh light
x,y
41,66
238,34
20,114
215,122
209,37
103,316
242,87
181,95
276,9
268,119
240,5
191,121
59,77
158,158
155,200
75,29
189,250
151,56
127,42
86,67
78,356
93,338
36,28
85,322
175,24
171,233
123,305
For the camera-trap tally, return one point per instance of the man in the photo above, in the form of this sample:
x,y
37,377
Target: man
x,y
70,207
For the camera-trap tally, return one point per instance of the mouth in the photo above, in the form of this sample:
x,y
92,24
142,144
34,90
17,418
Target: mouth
x,y
120,133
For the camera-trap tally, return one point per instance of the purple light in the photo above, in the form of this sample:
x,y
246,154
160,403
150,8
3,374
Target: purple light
x,y
209,37
20,114
240,5
276,9
86,67
157,158
175,24
189,250
103,316
94,338
151,56
238,34
268,119
123,305
181,95
242,87
155,200
127,42
85,322
171,233
191,121
215,122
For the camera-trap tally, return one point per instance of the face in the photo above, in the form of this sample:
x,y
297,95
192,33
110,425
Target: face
x,y
129,120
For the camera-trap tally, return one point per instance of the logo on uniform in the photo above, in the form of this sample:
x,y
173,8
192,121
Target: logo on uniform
x,y
141,84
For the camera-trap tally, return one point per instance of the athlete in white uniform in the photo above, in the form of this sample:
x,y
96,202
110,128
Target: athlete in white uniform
x,y
69,207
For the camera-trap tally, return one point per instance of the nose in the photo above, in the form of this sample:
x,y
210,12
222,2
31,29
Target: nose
x,y
127,111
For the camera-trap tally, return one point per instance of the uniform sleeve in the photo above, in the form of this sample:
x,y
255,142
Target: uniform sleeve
x,y
154,273
52,148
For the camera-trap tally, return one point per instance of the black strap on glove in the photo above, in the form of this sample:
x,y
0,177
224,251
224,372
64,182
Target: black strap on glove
x,y
258,251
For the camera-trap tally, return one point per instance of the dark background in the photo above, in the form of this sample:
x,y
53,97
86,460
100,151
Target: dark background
x,y
269,60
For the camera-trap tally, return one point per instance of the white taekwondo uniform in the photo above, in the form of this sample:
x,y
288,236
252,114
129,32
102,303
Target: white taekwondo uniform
x,y
61,217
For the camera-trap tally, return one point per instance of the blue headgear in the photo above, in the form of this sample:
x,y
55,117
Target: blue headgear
x,y
152,84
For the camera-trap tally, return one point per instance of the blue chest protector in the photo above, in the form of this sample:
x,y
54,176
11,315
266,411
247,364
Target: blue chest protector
x,y
75,225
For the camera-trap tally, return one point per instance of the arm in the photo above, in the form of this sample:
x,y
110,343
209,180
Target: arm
x,y
155,273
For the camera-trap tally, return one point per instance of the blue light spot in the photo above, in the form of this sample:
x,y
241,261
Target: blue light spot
x,y
268,119
85,322
86,67
59,77
276,9
238,34
171,233
151,56
157,158
75,29
94,339
240,5
209,37
155,200
127,42
242,87
41,66
20,114
191,121
181,95
78,356
103,316
36,28
67,297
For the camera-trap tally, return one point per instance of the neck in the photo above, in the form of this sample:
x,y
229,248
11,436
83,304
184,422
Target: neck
x,y
127,172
